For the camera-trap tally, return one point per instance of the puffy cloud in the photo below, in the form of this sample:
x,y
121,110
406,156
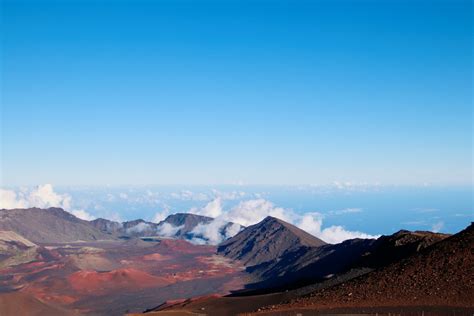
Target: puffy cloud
x,y
42,196
9,200
232,230
161,215
208,233
250,212
214,232
168,230
82,215
140,227
313,222
212,209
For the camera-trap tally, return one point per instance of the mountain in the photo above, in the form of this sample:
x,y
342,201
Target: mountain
x,y
391,248
186,222
435,273
135,228
439,275
280,256
107,226
197,228
344,260
266,241
50,225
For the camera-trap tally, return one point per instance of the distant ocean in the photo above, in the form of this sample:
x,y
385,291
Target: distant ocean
x,y
370,209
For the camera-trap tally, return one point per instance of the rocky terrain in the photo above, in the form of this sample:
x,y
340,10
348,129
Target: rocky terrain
x,y
439,275
63,265
435,276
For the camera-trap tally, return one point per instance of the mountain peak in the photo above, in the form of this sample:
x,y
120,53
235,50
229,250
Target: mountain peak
x,y
266,241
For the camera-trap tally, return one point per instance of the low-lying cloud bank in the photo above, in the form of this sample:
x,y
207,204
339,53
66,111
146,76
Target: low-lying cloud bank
x,y
251,212
41,196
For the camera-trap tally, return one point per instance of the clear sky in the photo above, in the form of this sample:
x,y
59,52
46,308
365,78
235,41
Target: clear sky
x,y
206,92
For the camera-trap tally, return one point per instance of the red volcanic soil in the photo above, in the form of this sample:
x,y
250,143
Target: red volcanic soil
x,y
17,303
113,277
92,281
181,246
155,257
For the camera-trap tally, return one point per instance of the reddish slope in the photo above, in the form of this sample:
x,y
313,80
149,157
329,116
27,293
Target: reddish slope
x,y
17,303
98,282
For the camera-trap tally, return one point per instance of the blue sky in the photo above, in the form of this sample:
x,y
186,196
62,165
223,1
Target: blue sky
x,y
215,92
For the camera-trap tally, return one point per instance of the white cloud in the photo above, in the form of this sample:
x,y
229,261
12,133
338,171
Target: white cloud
x,y
82,215
313,222
9,200
345,211
212,209
210,232
160,215
232,230
250,212
42,196
214,232
436,227
140,227
168,230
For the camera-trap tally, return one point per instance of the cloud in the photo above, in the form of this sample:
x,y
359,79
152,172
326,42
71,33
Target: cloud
x,y
214,232
212,209
168,230
140,227
436,227
208,233
345,211
313,222
250,212
161,215
82,215
41,196
9,200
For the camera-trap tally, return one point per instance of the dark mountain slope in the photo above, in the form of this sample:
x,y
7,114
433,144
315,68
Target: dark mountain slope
x,y
439,275
267,241
315,264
